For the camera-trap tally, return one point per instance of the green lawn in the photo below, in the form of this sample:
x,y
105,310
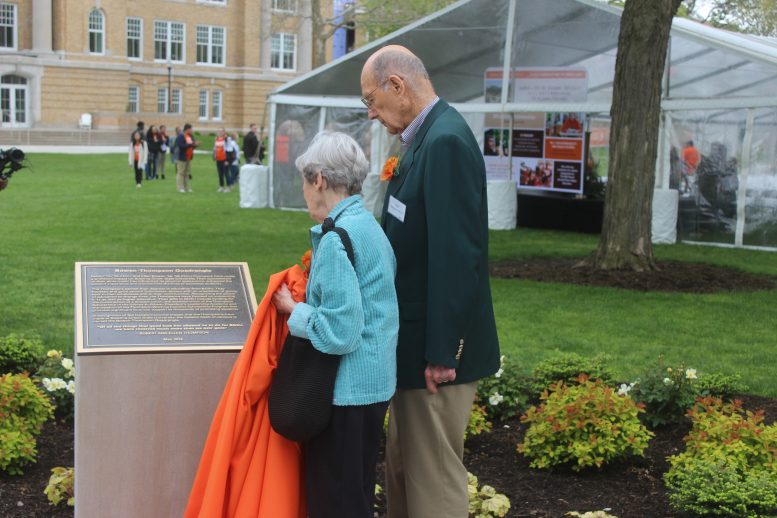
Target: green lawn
x,y
69,208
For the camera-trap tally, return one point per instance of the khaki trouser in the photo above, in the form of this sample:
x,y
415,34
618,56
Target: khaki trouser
x,y
425,473
182,170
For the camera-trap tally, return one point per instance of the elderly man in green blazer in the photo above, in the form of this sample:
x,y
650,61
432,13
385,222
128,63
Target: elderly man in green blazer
x,y
436,217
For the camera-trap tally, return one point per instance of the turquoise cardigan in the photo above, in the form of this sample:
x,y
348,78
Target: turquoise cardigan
x,y
351,311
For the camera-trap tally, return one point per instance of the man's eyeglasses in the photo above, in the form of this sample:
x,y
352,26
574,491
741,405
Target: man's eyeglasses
x,y
366,99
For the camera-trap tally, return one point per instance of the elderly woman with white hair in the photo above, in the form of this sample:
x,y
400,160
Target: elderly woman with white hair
x,y
351,310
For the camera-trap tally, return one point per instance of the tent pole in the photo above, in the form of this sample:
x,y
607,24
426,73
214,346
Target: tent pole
x,y
507,76
271,151
742,188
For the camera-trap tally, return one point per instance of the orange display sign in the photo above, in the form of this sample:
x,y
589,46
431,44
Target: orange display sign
x,y
563,149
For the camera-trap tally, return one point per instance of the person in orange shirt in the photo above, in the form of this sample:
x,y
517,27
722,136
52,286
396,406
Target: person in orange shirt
x,y
690,160
691,157
220,156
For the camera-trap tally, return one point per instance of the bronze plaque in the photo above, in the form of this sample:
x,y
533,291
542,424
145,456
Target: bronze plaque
x,y
150,307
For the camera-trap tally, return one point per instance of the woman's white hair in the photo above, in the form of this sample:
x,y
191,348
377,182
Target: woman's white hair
x,y
339,160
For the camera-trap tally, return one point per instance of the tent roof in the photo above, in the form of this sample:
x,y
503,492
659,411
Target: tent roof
x,y
459,42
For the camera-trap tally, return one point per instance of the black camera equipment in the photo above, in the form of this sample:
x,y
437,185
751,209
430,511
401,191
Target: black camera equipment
x,y
11,160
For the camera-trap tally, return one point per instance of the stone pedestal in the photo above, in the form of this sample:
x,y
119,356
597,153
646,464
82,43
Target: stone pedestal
x,y
141,423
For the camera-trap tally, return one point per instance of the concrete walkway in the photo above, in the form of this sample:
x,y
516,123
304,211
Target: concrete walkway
x,y
82,150
73,150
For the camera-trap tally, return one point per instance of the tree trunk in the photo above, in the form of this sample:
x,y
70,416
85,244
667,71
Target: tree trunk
x,y
625,241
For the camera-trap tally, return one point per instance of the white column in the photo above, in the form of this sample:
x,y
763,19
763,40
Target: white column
x,y
265,34
41,26
305,39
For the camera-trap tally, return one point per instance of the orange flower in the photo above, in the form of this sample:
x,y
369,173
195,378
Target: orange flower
x,y
390,169
305,259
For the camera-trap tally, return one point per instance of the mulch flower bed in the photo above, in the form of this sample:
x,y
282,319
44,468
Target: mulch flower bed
x,y
632,488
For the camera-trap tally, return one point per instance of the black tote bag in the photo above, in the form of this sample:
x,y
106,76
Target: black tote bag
x,y
301,391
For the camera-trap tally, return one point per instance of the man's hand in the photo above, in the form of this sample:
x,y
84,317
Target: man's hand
x,y
436,375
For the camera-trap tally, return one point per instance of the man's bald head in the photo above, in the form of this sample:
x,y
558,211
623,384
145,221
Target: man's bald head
x,y
398,60
395,87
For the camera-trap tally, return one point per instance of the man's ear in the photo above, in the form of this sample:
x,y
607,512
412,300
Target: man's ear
x,y
396,83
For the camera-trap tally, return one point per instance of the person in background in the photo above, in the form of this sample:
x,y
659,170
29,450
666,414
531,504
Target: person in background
x,y
174,145
164,145
185,144
220,156
140,128
233,159
435,215
154,145
138,155
350,310
691,158
251,146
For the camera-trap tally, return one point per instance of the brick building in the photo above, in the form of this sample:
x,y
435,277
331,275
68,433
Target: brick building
x,y
210,62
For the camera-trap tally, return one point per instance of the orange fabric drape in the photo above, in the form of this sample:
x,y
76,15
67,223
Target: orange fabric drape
x,y
246,469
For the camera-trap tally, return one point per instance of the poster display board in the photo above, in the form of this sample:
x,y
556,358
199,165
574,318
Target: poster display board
x,y
150,307
539,150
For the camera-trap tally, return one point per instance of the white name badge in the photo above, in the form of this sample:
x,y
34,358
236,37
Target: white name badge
x,y
397,209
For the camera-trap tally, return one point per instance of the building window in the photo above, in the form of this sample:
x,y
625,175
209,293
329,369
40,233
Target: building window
x,y
175,105
284,6
203,113
168,41
8,26
96,32
133,100
210,45
216,108
13,101
283,51
162,101
134,38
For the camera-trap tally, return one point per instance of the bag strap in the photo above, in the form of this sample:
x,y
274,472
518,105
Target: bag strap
x,y
328,225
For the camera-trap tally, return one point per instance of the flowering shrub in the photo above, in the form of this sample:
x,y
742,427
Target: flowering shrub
x,y
567,367
61,486
19,354
57,376
720,385
586,425
729,466
666,392
23,410
505,394
485,502
478,422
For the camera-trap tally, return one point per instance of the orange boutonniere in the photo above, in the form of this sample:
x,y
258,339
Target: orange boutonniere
x,y
305,260
390,169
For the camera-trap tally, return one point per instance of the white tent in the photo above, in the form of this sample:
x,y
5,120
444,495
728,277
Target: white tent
x,y
719,91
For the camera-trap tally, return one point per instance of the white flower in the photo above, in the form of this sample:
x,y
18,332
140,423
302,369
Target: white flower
x,y
496,398
625,389
690,374
499,373
47,384
71,386
67,363
502,359
667,381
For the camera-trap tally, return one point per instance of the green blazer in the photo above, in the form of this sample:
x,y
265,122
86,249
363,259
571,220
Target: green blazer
x,y
435,215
